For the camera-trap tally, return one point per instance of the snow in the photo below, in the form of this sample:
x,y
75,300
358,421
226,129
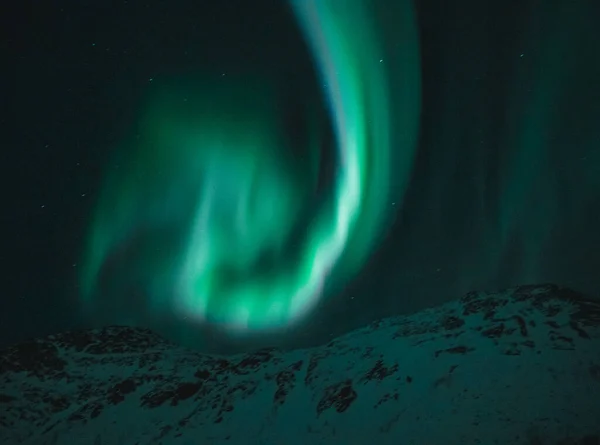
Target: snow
x,y
521,366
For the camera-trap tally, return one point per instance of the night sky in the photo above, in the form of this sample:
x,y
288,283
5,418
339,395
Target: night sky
x,y
504,188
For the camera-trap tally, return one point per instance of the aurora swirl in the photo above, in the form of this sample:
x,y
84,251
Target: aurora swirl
x,y
209,217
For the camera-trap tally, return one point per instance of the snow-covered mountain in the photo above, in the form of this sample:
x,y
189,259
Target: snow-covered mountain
x,y
520,366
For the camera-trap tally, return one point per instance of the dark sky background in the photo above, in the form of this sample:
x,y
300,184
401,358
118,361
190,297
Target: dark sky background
x,y
505,189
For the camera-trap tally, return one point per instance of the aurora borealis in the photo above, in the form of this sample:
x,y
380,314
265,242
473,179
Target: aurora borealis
x,y
423,154
213,220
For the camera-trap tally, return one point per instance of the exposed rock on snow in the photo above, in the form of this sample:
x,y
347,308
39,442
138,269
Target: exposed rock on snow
x,y
515,367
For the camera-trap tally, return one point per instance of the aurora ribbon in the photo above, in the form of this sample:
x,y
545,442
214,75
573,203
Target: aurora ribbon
x,y
209,217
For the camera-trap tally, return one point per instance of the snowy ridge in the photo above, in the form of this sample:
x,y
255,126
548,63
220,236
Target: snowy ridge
x,y
520,366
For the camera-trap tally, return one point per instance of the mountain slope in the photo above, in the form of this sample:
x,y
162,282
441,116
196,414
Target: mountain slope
x,y
520,366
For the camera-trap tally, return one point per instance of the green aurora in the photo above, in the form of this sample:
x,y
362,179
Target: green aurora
x,y
211,216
